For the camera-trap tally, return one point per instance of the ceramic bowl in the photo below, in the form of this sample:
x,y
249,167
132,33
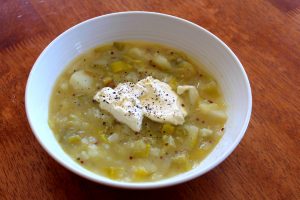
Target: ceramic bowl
x,y
172,31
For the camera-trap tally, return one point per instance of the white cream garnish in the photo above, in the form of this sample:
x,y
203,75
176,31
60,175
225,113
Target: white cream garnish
x,y
160,102
149,97
123,103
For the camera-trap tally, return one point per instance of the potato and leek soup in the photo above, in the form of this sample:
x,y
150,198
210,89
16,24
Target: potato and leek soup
x,y
136,111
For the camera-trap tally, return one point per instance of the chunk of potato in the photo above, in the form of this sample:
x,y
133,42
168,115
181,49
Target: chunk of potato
x,y
137,53
161,62
192,90
212,112
192,137
206,107
218,115
81,80
191,129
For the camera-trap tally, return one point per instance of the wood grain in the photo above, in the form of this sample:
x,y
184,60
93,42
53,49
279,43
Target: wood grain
x,y
265,35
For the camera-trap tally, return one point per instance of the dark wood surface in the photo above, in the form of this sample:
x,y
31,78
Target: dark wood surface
x,y
264,34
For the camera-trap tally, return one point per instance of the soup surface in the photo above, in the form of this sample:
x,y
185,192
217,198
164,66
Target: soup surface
x,y
97,141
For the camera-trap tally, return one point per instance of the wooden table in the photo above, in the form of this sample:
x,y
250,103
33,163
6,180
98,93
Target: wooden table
x,y
264,34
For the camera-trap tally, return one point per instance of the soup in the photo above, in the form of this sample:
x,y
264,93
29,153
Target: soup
x,y
97,139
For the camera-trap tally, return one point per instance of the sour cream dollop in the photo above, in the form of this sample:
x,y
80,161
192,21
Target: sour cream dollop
x,y
152,98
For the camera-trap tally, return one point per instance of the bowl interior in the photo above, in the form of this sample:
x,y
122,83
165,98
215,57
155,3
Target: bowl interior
x,y
201,45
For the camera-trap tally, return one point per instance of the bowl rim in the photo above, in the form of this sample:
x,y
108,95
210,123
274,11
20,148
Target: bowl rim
x,y
142,185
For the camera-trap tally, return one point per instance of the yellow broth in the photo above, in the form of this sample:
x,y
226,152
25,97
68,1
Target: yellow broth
x,y
94,139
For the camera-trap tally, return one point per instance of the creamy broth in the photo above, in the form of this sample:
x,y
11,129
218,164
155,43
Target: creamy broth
x,y
94,139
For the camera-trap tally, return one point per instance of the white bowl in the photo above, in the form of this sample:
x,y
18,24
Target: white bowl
x,y
197,42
